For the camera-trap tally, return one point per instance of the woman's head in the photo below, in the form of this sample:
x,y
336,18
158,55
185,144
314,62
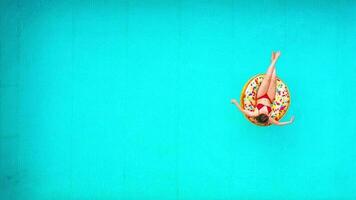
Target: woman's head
x,y
262,118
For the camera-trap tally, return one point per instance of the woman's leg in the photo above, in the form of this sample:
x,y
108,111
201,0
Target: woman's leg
x,y
272,86
263,89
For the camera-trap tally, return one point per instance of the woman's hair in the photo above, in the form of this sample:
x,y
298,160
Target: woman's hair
x,y
262,118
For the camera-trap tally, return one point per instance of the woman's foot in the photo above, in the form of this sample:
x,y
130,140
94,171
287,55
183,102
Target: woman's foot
x,y
276,55
273,55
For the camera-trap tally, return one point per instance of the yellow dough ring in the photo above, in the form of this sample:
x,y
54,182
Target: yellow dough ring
x,y
280,104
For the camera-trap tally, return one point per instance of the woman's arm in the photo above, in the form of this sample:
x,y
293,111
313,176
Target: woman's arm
x,y
281,123
246,112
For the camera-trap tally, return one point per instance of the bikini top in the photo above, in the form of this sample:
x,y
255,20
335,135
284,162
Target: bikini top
x,y
260,105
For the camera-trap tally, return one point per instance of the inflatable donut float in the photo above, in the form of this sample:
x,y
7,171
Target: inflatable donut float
x,y
280,104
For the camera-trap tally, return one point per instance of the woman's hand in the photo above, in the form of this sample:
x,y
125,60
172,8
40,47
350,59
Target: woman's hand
x,y
291,119
233,101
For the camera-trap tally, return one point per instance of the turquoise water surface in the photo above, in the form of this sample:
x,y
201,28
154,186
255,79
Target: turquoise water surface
x,y
131,100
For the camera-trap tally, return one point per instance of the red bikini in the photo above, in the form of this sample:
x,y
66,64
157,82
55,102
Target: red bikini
x,y
260,106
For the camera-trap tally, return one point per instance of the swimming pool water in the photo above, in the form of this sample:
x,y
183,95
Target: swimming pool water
x,y
131,100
